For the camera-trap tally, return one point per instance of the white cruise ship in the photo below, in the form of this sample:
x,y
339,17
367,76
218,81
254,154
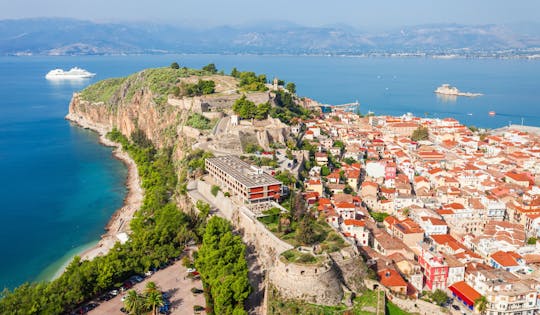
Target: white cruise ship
x,y
73,73
446,89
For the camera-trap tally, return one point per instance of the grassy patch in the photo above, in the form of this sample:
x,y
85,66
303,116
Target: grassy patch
x,y
294,256
393,309
102,91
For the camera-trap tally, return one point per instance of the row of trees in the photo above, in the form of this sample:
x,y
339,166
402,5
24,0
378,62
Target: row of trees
x,y
159,232
223,267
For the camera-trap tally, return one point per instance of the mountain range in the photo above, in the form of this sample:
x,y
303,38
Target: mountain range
x,y
60,36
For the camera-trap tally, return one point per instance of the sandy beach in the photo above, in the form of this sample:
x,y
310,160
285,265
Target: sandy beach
x,y
120,220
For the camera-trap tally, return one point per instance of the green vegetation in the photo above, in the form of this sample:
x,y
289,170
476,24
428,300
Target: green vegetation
x,y
291,87
200,122
298,226
287,109
223,267
202,87
161,81
293,255
393,309
102,91
159,232
252,148
379,216
249,81
438,296
481,304
420,133
246,109
532,240
150,300
211,68
175,65
214,190
364,304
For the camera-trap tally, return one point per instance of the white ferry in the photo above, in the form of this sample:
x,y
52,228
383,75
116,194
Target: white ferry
x,y
447,89
73,73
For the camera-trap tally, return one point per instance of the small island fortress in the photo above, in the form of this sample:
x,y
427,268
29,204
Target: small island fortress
x,y
447,89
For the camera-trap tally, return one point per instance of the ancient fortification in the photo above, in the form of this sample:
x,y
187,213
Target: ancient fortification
x,y
322,283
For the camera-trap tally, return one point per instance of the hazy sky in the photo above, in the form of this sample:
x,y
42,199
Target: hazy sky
x,y
371,14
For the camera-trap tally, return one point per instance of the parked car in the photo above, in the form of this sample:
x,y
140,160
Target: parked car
x,y
455,307
191,270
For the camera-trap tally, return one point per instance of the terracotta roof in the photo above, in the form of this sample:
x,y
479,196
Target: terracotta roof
x,y
354,222
391,278
506,259
345,205
466,291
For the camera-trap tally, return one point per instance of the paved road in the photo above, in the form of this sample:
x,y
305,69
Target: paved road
x,y
172,280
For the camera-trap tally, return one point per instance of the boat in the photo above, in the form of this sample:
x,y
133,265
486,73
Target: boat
x,y
73,73
447,89
492,113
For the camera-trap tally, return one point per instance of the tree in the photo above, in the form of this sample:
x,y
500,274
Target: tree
x,y
481,304
133,303
532,240
210,68
175,65
204,208
244,108
291,87
439,296
153,300
421,133
235,73
305,233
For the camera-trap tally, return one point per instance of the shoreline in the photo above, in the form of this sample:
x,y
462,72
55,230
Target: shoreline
x,y
120,220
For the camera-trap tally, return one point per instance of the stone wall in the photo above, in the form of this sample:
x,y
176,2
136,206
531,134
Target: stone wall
x,y
312,283
317,284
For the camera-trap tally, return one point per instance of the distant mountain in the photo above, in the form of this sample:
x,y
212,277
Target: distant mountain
x,y
57,36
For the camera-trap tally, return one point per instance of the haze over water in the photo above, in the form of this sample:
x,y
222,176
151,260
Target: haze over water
x,y
59,187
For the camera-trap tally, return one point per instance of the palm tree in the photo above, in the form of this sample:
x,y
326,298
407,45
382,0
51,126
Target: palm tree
x,y
150,287
481,304
153,300
133,302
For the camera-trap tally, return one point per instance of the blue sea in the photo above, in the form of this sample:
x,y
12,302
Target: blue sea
x,y
59,187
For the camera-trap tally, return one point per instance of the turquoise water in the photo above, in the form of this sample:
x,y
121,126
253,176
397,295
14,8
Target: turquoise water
x,y
59,187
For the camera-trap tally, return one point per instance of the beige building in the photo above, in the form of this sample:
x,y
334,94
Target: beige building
x,y
245,181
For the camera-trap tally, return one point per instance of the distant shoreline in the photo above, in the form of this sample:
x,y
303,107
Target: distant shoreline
x,y
121,218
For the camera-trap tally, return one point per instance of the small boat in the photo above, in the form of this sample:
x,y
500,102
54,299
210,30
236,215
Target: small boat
x,y
492,113
469,114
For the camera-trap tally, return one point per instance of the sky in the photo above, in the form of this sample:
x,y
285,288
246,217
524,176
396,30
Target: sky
x,y
356,13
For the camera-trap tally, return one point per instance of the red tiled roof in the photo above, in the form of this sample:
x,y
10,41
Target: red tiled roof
x,y
354,222
506,259
391,278
465,292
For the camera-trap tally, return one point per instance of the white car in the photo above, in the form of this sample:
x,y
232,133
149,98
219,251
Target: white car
x,y
191,270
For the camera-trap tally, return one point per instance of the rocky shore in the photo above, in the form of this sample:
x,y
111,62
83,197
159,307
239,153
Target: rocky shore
x,y
120,220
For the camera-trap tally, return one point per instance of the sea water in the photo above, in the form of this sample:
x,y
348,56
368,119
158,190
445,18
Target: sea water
x,y
59,186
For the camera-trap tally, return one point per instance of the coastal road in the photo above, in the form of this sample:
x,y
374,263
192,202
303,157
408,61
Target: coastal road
x,y
172,280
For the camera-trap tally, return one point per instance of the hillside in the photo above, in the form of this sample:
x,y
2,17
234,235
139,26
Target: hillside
x,y
76,37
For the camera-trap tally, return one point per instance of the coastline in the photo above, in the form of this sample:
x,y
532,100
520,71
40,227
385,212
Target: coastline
x,y
121,218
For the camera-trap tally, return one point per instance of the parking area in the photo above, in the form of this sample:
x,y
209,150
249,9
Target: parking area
x,y
174,281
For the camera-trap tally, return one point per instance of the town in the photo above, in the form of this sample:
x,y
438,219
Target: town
x,y
434,208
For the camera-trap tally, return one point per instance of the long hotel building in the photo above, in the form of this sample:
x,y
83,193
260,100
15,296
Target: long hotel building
x,y
242,179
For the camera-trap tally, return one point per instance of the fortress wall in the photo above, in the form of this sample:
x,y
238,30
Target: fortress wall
x,y
312,283
316,284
